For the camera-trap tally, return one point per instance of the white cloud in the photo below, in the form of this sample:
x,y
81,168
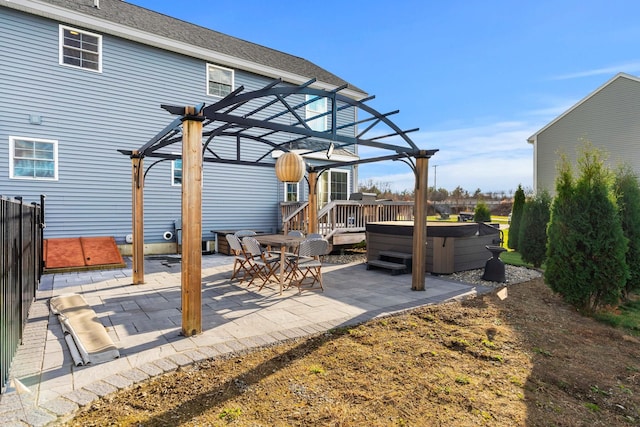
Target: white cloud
x,y
632,67
494,157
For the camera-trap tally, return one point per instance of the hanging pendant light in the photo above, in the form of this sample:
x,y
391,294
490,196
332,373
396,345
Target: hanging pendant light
x,y
290,167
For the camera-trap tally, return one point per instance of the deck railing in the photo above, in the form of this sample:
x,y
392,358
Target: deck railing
x,y
345,216
21,254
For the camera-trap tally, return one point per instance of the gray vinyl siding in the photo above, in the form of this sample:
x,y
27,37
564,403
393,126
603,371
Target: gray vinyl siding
x,y
610,120
91,115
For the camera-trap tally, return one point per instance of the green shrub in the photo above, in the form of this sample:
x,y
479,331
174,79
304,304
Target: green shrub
x,y
586,246
482,213
516,218
628,196
532,243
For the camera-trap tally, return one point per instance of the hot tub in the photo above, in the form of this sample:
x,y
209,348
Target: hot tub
x,y
451,246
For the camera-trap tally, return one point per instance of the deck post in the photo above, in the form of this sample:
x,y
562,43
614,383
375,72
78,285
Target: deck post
x,y
191,274
312,210
420,222
137,217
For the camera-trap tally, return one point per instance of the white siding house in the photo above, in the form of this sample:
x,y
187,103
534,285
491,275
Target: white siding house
x,y
608,118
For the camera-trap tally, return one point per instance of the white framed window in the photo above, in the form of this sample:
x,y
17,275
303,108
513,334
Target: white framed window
x,y
319,106
219,80
333,185
80,49
176,173
33,158
291,191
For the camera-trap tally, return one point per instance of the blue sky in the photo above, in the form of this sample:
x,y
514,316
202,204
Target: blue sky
x,y
477,77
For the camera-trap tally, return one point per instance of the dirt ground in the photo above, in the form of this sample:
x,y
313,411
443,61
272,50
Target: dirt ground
x,y
527,360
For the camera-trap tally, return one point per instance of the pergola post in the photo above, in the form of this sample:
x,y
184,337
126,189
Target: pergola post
x,y
420,223
137,217
191,223
312,210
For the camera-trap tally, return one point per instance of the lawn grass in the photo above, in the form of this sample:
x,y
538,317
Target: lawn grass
x,y
514,258
626,316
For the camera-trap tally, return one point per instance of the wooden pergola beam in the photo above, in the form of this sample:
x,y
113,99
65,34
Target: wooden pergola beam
x,y
137,217
191,223
420,223
312,210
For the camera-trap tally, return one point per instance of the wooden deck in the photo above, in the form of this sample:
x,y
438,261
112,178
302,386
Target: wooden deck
x,y
343,222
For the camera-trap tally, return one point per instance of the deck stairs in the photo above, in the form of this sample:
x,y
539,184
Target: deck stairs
x,y
343,222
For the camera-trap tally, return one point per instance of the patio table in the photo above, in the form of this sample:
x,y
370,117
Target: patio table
x,y
284,242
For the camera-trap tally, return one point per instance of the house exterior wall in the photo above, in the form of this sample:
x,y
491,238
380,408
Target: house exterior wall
x,y
92,115
609,119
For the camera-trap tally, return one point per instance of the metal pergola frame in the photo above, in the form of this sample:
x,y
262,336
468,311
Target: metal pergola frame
x,y
273,116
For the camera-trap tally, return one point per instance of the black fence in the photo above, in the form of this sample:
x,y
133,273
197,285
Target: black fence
x,y
21,265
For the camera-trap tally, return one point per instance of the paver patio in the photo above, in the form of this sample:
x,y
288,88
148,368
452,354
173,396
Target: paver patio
x,y
144,322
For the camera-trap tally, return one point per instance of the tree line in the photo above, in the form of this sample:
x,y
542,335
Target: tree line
x,y
383,191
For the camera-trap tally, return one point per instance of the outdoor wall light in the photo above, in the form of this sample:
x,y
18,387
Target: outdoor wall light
x,y
290,167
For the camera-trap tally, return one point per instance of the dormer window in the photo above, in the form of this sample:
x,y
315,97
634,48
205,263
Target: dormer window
x,y
80,49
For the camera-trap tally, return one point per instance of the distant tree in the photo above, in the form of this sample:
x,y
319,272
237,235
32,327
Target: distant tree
x,y
482,212
532,242
516,217
438,195
477,193
627,191
381,189
457,194
586,246
406,195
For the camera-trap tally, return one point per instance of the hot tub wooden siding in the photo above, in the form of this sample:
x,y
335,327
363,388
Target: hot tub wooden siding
x,y
445,254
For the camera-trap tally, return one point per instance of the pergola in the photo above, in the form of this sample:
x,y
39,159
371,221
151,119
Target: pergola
x,y
229,132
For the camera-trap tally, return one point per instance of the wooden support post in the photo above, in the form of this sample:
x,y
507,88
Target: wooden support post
x,y
191,223
312,210
420,224
137,217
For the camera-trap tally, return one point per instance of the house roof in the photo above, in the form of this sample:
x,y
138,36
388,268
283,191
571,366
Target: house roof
x,y
533,137
126,20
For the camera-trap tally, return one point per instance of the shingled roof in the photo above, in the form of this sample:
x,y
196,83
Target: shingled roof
x,y
145,20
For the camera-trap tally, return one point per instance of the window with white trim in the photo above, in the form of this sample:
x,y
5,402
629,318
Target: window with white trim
x,y
219,81
291,191
80,49
319,106
176,172
33,158
333,185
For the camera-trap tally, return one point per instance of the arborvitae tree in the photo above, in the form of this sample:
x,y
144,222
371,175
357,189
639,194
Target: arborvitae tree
x,y
516,218
482,213
586,250
628,192
532,242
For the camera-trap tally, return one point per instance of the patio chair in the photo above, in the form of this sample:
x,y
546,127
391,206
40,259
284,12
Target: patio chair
x,y
241,261
244,233
295,233
307,270
263,265
314,236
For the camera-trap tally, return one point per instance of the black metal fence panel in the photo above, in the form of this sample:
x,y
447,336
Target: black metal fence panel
x,y
21,267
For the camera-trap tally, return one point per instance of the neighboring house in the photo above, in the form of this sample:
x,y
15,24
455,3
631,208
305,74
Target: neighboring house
x,y
608,118
81,79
